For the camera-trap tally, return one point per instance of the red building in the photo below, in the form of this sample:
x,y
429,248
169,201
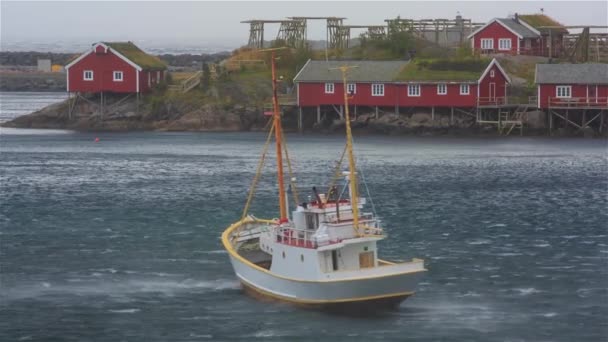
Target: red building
x,y
116,68
521,35
572,85
403,84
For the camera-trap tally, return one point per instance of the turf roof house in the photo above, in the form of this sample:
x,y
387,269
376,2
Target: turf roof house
x,y
402,84
118,67
526,34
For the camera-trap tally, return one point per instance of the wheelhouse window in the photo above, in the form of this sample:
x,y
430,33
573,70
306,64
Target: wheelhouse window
x,y
329,88
504,44
487,43
442,89
351,88
563,91
377,89
118,76
413,90
464,89
87,75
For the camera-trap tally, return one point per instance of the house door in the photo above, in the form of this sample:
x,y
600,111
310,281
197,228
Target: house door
x,y
366,259
592,97
492,92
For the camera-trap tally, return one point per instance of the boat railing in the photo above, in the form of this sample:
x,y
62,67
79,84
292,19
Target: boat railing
x,y
296,237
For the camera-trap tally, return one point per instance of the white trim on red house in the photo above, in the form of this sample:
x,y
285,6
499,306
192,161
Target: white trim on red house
x,y
304,67
488,24
492,63
523,22
118,54
137,81
67,81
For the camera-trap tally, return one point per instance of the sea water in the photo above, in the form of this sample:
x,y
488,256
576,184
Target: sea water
x,y
119,240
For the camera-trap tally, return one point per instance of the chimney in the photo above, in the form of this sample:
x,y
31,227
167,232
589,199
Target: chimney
x,y
516,17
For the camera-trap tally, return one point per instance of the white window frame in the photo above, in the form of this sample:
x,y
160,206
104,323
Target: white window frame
x,y
563,92
351,88
485,46
504,44
492,73
413,90
442,89
329,88
377,89
118,79
465,89
84,75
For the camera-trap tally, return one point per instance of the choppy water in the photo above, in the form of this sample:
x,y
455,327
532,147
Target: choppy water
x,y
119,240
13,104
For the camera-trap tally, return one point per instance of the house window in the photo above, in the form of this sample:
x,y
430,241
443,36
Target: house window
x,y
118,76
351,88
377,89
442,89
88,75
504,44
329,88
487,44
413,90
563,91
492,73
464,89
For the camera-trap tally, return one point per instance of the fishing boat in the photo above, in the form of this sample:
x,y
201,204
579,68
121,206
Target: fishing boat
x,y
325,255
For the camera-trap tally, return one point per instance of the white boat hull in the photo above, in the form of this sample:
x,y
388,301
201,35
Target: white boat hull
x,y
386,284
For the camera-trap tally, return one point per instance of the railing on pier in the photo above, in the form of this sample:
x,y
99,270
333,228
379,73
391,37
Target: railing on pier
x,y
578,102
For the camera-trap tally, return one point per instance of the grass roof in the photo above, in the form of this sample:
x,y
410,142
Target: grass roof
x,y
539,20
449,70
135,54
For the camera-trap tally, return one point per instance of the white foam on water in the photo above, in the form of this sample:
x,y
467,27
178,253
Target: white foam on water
x,y
549,314
542,245
130,311
527,291
479,242
118,289
495,225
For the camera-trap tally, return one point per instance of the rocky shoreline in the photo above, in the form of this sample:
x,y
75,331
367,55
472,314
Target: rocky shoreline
x,y
174,115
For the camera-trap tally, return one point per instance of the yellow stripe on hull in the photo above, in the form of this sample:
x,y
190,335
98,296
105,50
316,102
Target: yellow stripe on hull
x,y
374,302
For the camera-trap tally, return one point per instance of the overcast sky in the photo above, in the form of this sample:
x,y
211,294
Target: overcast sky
x,y
212,21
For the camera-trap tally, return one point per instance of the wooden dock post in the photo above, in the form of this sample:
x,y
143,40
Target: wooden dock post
x,y
452,116
318,114
300,119
433,113
376,112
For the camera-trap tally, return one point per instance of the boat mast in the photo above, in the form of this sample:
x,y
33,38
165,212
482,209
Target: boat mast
x,y
277,137
354,200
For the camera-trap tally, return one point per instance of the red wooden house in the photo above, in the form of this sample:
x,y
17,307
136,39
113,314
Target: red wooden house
x,y
119,67
530,34
572,86
403,84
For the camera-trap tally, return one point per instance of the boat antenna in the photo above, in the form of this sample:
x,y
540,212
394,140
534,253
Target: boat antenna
x,y
277,135
354,200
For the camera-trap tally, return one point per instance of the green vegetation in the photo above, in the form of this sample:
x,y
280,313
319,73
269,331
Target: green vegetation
x,y
136,55
464,69
538,20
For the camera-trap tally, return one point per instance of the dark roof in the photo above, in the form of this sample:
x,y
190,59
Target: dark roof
x,y
137,56
540,20
589,73
366,71
517,27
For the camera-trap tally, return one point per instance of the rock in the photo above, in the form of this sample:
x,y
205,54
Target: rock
x,y
420,118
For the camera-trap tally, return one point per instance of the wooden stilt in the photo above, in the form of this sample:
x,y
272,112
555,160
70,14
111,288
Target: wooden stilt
x,y
433,113
584,121
318,114
342,112
397,109
101,106
300,119
452,116
137,104
355,112
550,112
376,112
601,121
